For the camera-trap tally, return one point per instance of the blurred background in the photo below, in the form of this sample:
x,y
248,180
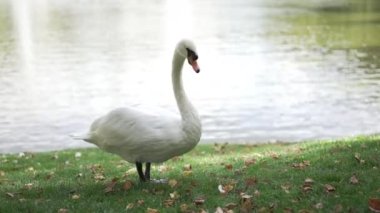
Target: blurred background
x,y
271,70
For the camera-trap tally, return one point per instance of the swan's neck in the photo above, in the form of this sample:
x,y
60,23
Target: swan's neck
x,y
190,120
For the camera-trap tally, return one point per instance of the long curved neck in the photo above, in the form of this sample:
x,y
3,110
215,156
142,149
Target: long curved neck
x,y
188,113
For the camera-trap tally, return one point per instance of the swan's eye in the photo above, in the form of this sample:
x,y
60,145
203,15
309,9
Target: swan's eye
x,y
191,55
192,59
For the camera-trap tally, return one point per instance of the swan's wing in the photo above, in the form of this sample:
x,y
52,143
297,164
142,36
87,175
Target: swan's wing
x,y
129,127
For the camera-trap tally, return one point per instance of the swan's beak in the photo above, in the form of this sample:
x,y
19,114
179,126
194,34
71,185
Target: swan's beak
x,y
195,66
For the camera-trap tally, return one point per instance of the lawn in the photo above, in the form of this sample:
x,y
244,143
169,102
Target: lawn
x,y
323,176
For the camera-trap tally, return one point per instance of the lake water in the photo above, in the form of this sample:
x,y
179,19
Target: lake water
x,y
270,70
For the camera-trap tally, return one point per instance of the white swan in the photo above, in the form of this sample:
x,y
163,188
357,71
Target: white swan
x,y
140,137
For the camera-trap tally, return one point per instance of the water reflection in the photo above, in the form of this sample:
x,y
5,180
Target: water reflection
x,y
289,70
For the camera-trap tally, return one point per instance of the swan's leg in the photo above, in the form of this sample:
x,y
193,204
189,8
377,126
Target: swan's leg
x,y
147,171
140,171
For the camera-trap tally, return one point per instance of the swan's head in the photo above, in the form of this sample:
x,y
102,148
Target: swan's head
x,y
187,49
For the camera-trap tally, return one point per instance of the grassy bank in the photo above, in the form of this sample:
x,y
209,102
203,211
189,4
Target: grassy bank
x,y
315,177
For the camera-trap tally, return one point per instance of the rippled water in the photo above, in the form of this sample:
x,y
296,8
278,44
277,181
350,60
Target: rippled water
x,y
270,70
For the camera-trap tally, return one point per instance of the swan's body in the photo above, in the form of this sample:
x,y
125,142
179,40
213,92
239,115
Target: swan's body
x,y
140,137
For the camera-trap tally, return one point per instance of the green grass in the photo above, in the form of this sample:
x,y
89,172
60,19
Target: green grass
x,y
274,175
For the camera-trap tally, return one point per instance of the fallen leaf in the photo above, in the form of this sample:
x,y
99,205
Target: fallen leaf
x,y
219,210
62,210
249,161
99,177
338,208
354,180
28,186
75,197
228,166
358,158
374,204
110,186
274,155
226,188
173,183
164,168
318,206
187,173
230,206
169,203
78,154
301,165
129,206
308,181
287,210
220,148
246,204
140,202
174,195
329,188
250,181
286,187
199,201
187,167
184,208
2,173
127,185
11,195
149,210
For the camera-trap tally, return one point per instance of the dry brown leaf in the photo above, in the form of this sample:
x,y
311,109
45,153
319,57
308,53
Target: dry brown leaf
x,y
220,148
230,206
75,197
110,186
169,203
338,208
250,181
358,158
149,210
173,183
140,202
187,167
308,181
286,187
199,201
287,210
329,188
10,194
187,173
129,206
218,210
226,188
99,177
249,161
228,166
246,204
318,206
184,207
62,210
164,168
354,180
174,195
2,173
374,204
301,165
274,155
28,186
127,185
